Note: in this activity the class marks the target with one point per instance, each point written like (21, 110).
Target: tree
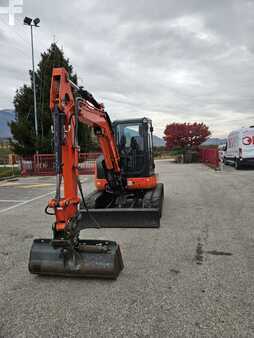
(183, 135)
(24, 140)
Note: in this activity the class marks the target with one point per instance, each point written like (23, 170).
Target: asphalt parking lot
(193, 277)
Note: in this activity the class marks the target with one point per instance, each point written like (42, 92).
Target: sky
(172, 61)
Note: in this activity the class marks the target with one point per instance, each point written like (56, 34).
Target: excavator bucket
(91, 258)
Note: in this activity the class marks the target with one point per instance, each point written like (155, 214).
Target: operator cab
(135, 145)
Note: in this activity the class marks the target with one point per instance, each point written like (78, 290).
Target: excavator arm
(70, 104)
(96, 117)
(66, 254)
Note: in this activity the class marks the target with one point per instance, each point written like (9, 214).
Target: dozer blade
(96, 212)
(92, 258)
(120, 218)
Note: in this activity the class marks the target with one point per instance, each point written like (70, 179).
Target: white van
(239, 149)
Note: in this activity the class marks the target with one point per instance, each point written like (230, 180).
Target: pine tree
(25, 142)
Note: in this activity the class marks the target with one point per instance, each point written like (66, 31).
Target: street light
(33, 23)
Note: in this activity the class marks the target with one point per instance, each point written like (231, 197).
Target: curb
(8, 178)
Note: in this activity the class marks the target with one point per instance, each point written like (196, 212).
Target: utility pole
(33, 23)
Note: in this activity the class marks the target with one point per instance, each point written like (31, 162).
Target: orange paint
(132, 183)
(61, 95)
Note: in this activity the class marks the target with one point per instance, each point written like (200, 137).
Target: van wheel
(237, 164)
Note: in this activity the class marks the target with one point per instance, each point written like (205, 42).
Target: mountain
(214, 142)
(158, 141)
(6, 115)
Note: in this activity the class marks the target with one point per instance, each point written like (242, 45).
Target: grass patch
(8, 172)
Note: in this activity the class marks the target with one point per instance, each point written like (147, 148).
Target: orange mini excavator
(127, 193)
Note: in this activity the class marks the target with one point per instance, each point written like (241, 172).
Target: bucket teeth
(92, 258)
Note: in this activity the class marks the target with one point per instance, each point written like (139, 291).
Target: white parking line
(12, 201)
(26, 202)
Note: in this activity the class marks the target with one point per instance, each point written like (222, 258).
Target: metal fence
(210, 156)
(44, 164)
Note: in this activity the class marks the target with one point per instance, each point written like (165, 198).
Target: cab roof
(133, 121)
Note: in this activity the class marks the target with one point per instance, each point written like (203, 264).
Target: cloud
(171, 61)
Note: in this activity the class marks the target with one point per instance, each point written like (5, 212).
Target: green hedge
(176, 152)
(8, 172)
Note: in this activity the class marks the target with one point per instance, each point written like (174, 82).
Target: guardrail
(44, 164)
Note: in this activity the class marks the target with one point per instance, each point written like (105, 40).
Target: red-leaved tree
(183, 135)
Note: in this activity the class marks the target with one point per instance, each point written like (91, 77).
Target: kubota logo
(247, 140)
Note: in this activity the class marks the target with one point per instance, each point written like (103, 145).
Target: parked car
(239, 149)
